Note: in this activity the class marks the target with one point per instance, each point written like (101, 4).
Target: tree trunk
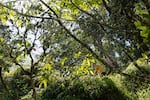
(33, 88)
(2, 80)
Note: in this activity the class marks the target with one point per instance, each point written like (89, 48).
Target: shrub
(84, 88)
(138, 87)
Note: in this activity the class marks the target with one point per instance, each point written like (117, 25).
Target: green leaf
(67, 15)
(48, 66)
(18, 23)
(144, 56)
(145, 31)
(91, 72)
(4, 19)
(142, 28)
(77, 55)
(63, 61)
(43, 82)
(18, 58)
(1, 56)
(28, 44)
(137, 24)
(88, 62)
(11, 14)
(1, 39)
(139, 9)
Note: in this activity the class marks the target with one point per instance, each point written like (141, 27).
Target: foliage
(29, 95)
(84, 88)
(144, 93)
(55, 42)
(137, 85)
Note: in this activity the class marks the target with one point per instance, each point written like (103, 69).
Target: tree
(50, 34)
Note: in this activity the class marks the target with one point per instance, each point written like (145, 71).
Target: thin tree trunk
(33, 88)
(2, 80)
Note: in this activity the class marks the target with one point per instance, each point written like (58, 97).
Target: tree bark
(2, 80)
(33, 88)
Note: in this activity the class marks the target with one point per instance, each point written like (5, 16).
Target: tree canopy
(43, 42)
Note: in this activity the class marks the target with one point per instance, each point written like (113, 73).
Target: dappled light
(74, 50)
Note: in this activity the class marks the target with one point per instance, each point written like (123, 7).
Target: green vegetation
(91, 88)
(74, 50)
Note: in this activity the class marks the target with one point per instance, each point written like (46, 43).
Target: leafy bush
(19, 85)
(143, 94)
(139, 87)
(83, 88)
(29, 95)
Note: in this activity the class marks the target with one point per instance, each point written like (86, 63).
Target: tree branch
(25, 15)
(134, 62)
(16, 63)
(32, 16)
(136, 77)
(76, 39)
(106, 6)
(91, 15)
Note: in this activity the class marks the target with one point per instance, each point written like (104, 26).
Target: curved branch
(49, 8)
(136, 77)
(75, 38)
(25, 15)
(106, 6)
(91, 15)
(16, 63)
(32, 16)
